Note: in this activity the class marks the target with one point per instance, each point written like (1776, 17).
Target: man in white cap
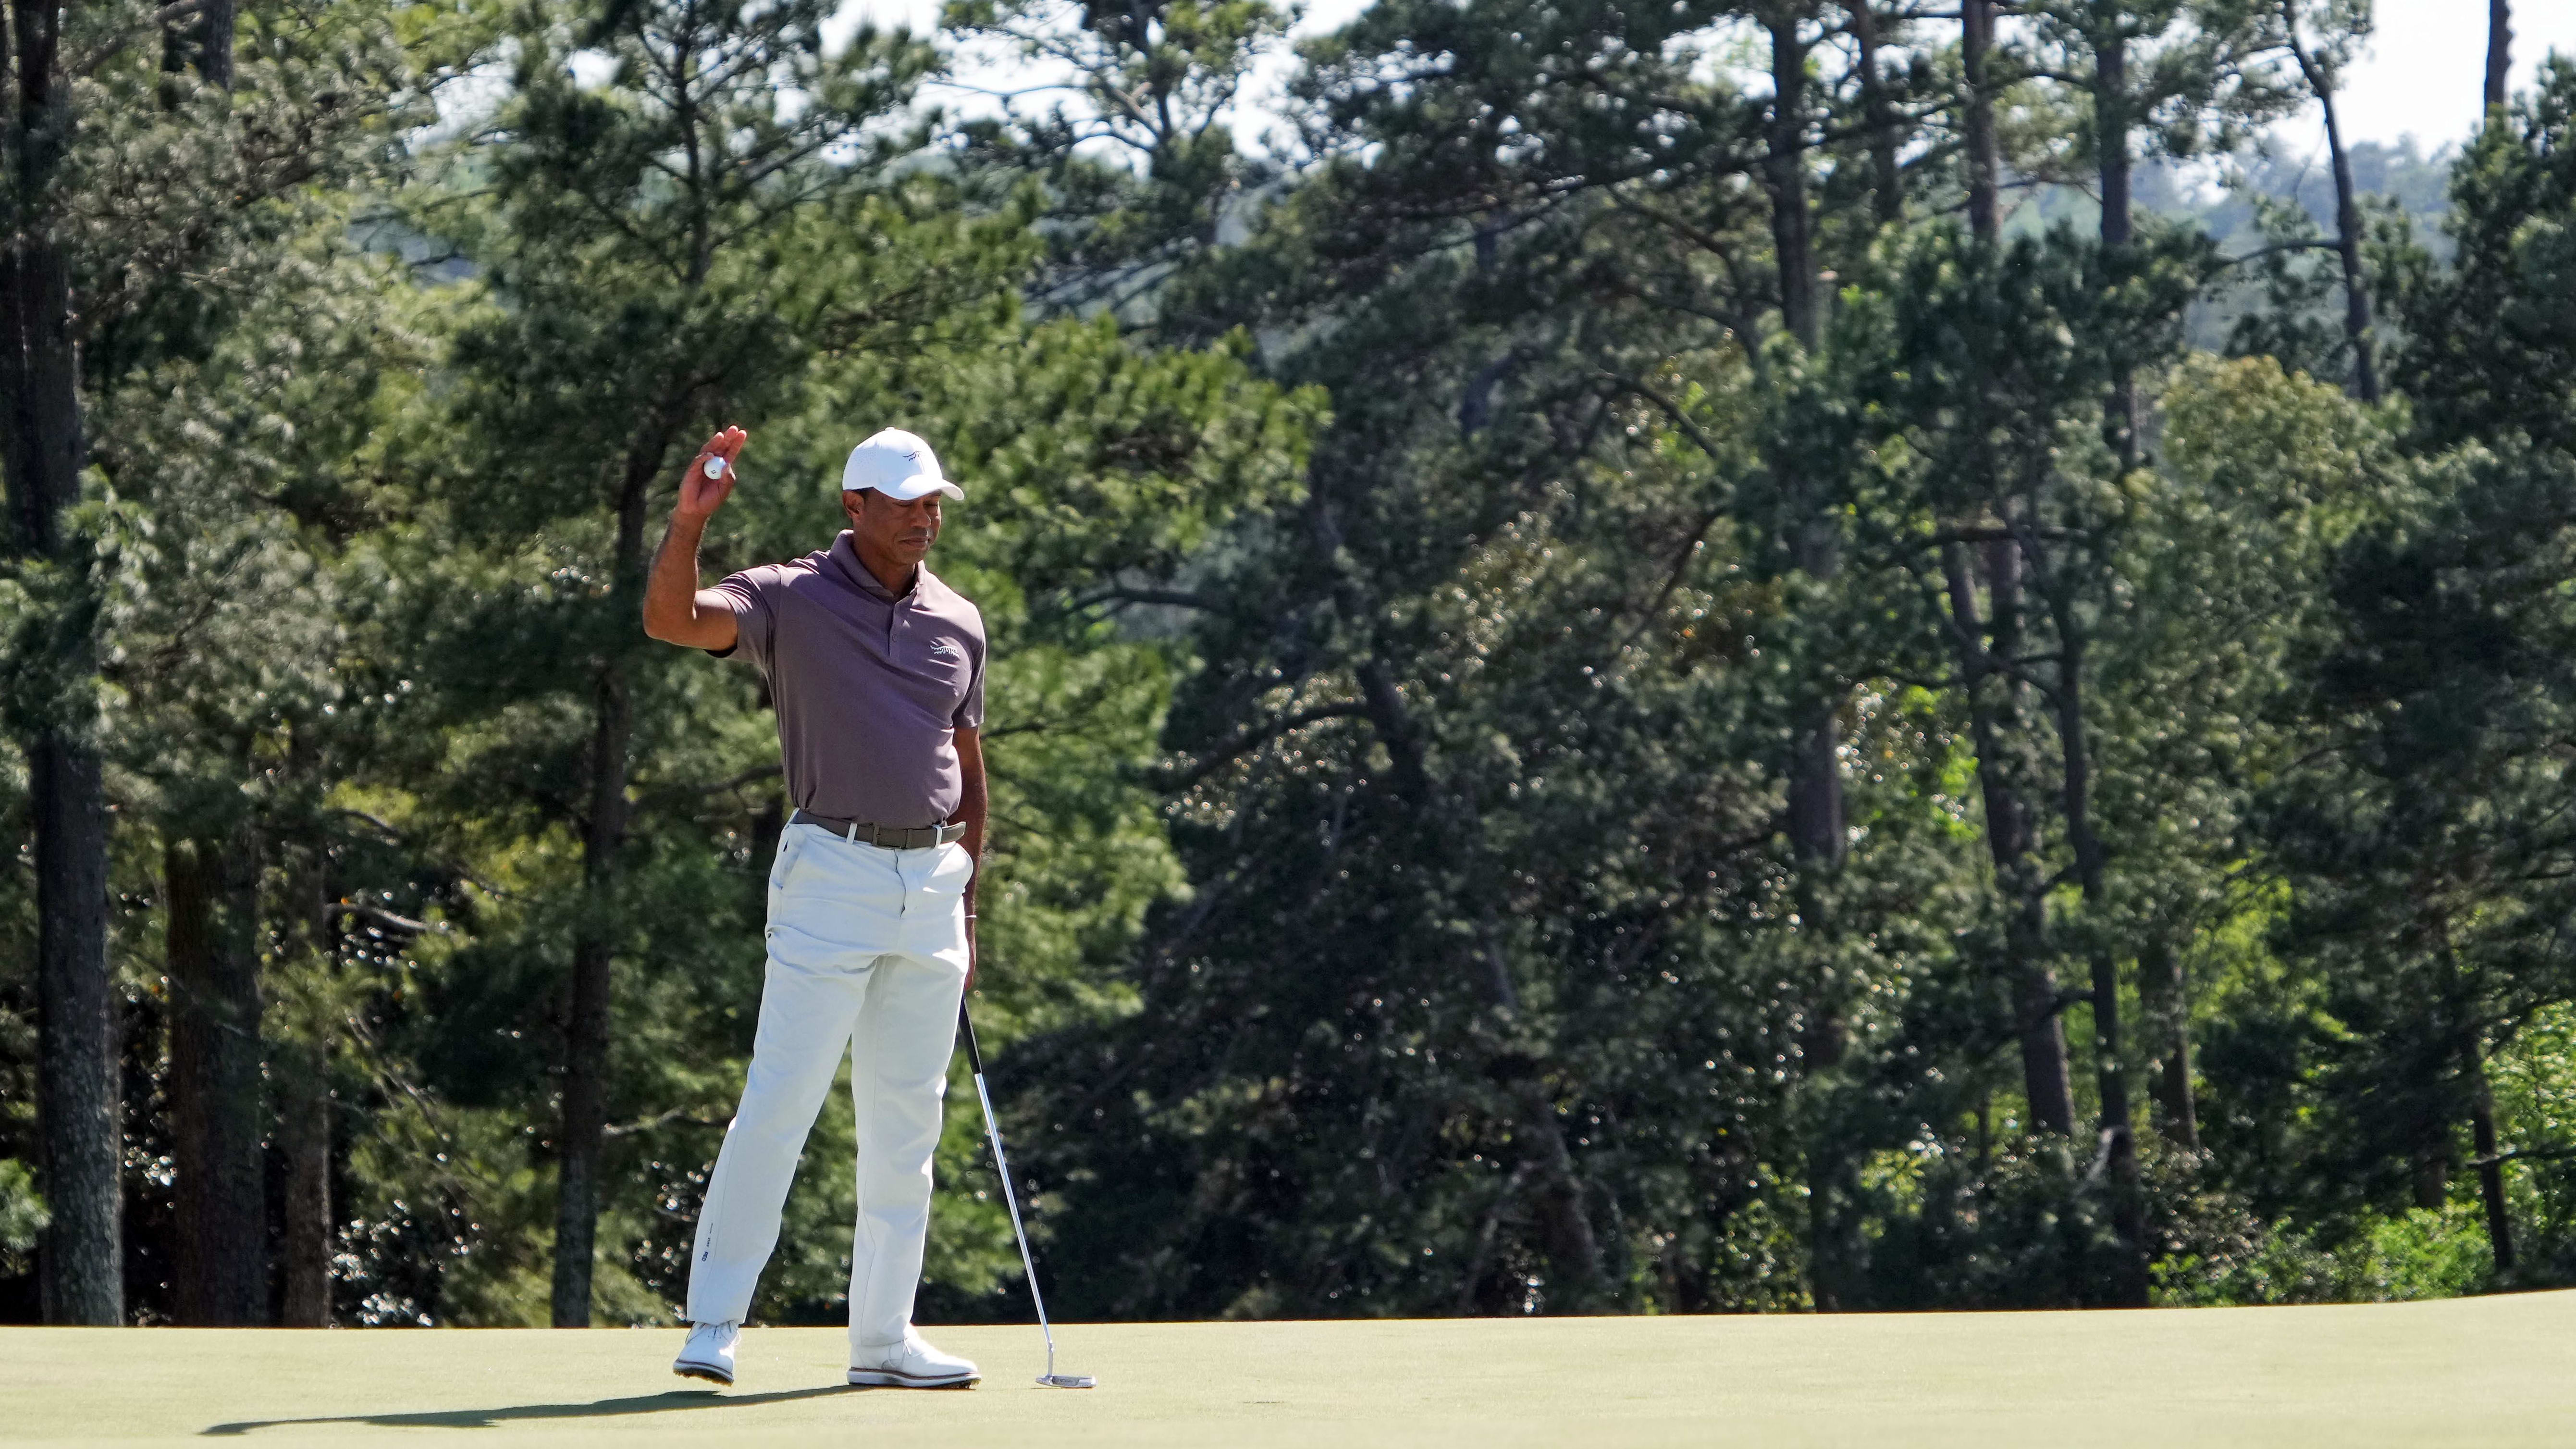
(877, 672)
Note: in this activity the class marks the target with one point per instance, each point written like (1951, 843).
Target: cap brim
(920, 485)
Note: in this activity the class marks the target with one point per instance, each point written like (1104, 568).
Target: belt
(884, 837)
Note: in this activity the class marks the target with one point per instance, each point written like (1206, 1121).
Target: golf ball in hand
(715, 467)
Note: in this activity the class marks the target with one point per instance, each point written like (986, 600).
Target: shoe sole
(708, 1372)
(898, 1379)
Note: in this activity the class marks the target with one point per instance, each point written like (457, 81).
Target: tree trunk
(220, 1259)
(83, 1264)
(1565, 1225)
(1815, 773)
(2110, 1062)
(202, 42)
(1815, 779)
(41, 456)
(1784, 169)
(1994, 717)
(2356, 291)
(2111, 136)
(1887, 195)
(1815, 804)
(2168, 1007)
(2046, 1078)
(2111, 133)
(2432, 1169)
(1379, 694)
(1976, 54)
(304, 1112)
(1565, 1228)
(306, 1226)
(215, 42)
(2110, 1070)
(2482, 1139)
(2499, 50)
(586, 1023)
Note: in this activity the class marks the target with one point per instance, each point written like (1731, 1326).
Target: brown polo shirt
(870, 688)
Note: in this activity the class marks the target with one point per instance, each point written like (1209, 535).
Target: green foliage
(22, 1215)
(1136, 156)
(2488, 349)
(1419, 570)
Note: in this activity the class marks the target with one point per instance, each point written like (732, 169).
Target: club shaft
(1011, 1200)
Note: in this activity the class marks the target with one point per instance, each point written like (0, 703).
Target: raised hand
(700, 495)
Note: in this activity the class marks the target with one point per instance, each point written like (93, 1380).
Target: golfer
(877, 672)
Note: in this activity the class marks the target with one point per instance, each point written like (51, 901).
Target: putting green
(2488, 1372)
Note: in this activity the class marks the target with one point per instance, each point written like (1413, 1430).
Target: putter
(1002, 1165)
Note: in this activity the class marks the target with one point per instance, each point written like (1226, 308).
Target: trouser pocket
(791, 844)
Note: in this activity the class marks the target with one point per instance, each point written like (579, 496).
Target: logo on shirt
(945, 650)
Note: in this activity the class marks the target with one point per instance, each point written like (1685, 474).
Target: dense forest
(1784, 655)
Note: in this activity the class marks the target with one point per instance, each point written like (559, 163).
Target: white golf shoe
(709, 1353)
(911, 1364)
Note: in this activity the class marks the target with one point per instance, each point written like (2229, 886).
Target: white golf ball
(715, 467)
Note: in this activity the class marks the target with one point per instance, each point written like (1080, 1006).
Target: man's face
(892, 527)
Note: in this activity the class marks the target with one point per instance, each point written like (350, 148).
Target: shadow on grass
(665, 1403)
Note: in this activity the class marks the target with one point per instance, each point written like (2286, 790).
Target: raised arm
(676, 610)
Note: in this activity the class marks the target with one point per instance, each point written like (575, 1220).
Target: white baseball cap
(897, 464)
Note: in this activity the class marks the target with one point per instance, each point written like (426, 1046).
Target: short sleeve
(970, 710)
(755, 622)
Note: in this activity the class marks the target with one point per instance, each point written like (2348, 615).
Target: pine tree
(2320, 68)
(42, 447)
(1136, 150)
(2430, 881)
(141, 176)
(658, 244)
(679, 245)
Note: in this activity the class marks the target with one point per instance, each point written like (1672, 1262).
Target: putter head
(1067, 1381)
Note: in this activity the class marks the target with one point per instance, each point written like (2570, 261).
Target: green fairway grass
(2489, 1372)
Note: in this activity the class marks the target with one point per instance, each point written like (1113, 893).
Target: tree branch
(1246, 743)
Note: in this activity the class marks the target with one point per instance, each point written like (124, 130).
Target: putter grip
(966, 1027)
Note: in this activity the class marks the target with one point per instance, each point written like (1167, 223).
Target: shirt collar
(845, 556)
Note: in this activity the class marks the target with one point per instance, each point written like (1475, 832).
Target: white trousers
(867, 955)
